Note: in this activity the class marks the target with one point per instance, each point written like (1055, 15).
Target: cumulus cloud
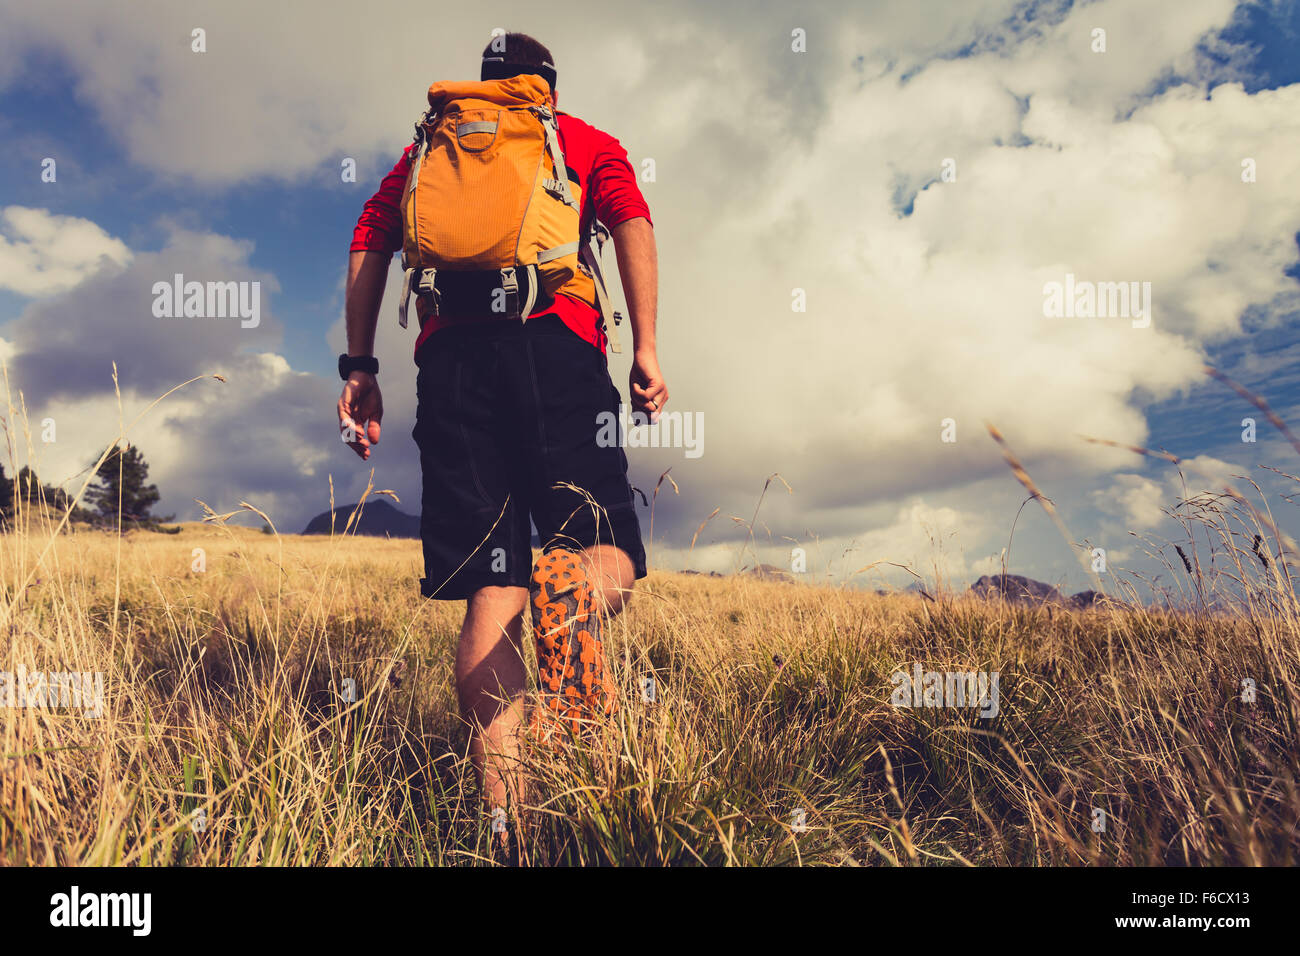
(352, 84)
(42, 254)
(67, 342)
(938, 313)
(1133, 503)
(1138, 501)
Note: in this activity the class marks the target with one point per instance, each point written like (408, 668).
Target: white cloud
(1138, 501)
(939, 314)
(310, 84)
(42, 254)
(1205, 474)
(67, 343)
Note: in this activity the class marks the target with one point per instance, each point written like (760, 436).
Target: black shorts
(508, 417)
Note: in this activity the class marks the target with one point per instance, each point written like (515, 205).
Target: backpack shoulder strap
(560, 185)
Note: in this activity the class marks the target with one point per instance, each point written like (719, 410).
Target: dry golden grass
(223, 697)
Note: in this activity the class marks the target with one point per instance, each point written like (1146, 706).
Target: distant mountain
(378, 518)
(1016, 588)
(1022, 590)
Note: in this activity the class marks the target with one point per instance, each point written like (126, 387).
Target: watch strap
(357, 363)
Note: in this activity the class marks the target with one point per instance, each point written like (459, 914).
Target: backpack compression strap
(591, 259)
(425, 279)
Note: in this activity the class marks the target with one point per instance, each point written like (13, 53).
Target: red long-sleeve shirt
(609, 193)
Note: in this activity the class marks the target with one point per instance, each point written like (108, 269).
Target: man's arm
(638, 269)
(378, 234)
(367, 273)
(361, 406)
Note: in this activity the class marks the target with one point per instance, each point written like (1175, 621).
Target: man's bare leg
(612, 576)
(490, 667)
(490, 682)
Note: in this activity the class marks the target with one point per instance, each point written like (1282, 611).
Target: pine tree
(123, 478)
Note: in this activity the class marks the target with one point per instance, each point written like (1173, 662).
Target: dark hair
(511, 54)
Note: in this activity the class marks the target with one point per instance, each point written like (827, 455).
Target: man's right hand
(646, 383)
(361, 407)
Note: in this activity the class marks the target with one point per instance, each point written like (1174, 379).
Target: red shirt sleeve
(379, 229)
(612, 185)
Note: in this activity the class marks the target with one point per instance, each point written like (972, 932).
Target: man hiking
(494, 206)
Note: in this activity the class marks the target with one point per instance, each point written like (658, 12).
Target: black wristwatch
(357, 363)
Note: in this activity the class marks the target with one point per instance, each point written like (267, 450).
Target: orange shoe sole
(574, 682)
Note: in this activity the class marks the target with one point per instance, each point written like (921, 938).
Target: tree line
(123, 478)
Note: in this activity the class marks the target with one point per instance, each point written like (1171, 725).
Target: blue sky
(777, 170)
(301, 229)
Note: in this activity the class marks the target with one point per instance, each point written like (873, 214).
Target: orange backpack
(490, 217)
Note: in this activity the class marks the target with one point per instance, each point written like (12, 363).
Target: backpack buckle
(427, 287)
(510, 286)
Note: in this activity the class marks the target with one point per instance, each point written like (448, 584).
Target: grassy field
(226, 738)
